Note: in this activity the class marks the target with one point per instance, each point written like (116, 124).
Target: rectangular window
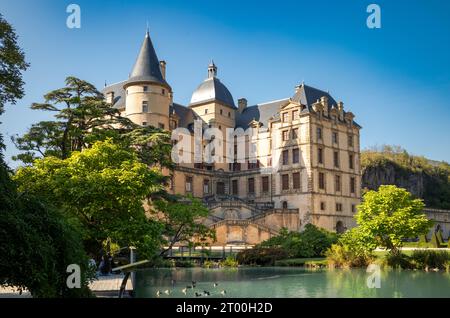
(251, 185)
(353, 208)
(285, 157)
(145, 88)
(335, 138)
(352, 185)
(285, 135)
(205, 186)
(265, 184)
(206, 110)
(295, 155)
(296, 180)
(220, 188)
(350, 140)
(160, 125)
(321, 180)
(322, 206)
(234, 187)
(229, 114)
(285, 117)
(319, 134)
(221, 112)
(336, 159)
(294, 114)
(320, 155)
(337, 183)
(163, 91)
(295, 133)
(144, 123)
(145, 107)
(350, 161)
(338, 207)
(285, 182)
(188, 184)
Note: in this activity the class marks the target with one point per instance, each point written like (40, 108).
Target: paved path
(10, 292)
(109, 283)
(104, 286)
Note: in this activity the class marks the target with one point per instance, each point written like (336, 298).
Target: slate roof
(119, 94)
(259, 112)
(146, 67)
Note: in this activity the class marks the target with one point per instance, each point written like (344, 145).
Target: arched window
(340, 228)
(285, 205)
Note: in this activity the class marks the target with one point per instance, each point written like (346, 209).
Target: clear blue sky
(396, 79)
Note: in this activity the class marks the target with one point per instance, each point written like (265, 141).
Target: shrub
(229, 262)
(208, 264)
(183, 263)
(352, 250)
(339, 255)
(311, 242)
(261, 256)
(398, 261)
(423, 259)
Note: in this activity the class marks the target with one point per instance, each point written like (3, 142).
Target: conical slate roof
(147, 66)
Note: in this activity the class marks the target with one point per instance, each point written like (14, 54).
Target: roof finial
(147, 30)
(105, 83)
(212, 69)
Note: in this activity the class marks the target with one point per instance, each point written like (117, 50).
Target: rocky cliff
(424, 178)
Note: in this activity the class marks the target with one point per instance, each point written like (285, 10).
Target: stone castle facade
(304, 166)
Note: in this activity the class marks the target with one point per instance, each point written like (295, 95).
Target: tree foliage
(81, 118)
(181, 220)
(12, 64)
(311, 242)
(102, 190)
(37, 245)
(390, 215)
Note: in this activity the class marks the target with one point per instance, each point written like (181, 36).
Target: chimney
(110, 97)
(162, 66)
(324, 102)
(242, 103)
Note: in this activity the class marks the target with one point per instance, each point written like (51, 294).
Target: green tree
(181, 220)
(102, 191)
(388, 216)
(312, 241)
(12, 64)
(81, 117)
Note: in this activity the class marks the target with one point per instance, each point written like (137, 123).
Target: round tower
(148, 95)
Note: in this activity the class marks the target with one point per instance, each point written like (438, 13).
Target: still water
(267, 282)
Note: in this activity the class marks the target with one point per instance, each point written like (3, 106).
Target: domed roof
(212, 90)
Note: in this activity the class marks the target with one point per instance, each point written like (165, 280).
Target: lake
(265, 282)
